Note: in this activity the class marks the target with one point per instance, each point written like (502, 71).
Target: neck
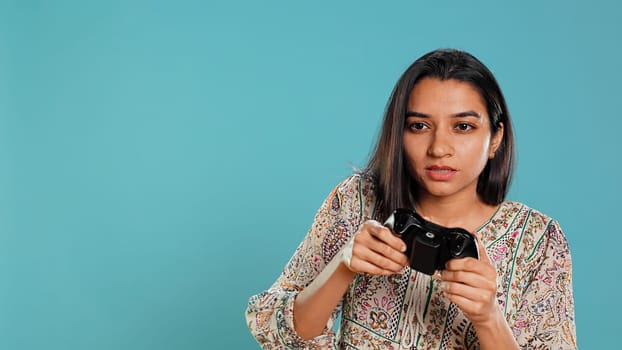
(468, 212)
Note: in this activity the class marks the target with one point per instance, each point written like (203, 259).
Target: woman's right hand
(375, 250)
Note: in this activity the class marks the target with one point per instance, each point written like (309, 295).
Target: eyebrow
(457, 115)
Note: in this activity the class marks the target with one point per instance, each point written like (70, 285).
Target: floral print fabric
(534, 286)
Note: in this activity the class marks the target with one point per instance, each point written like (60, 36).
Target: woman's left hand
(471, 284)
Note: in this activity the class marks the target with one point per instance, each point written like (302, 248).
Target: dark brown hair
(395, 186)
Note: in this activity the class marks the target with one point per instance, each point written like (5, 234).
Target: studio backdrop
(161, 160)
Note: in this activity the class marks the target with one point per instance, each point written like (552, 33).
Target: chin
(438, 194)
(440, 191)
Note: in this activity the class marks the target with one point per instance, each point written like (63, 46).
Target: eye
(464, 127)
(417, 126)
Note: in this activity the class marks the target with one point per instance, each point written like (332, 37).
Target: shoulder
(355, 186)
(535, 231)
(520, 216)
(356, 194)
(357, 182)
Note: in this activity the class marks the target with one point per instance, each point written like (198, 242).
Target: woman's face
(447, 138)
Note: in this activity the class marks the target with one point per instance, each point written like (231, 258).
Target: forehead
(435, 96)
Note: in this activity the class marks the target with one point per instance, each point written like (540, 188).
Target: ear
(496, 140)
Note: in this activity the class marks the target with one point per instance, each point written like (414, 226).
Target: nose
(440, 145)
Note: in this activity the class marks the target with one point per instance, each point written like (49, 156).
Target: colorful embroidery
(534, 284)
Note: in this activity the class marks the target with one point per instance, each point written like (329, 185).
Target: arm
(309, 291)
(545, 316)
(373, 249)
(472, 285)
(269, 314)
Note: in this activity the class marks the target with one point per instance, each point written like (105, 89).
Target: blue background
(160, 161)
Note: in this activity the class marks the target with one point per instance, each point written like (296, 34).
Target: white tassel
(414, 325)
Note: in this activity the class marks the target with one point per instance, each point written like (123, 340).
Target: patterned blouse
(408, 310)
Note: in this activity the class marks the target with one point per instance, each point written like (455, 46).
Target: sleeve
(269, 314)
(545, 317)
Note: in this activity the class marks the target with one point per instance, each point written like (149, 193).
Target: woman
(446, 151)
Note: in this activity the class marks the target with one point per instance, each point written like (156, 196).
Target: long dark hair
(395, 186)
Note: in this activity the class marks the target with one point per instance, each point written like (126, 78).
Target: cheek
(413, 154)
(477, 145)
(412, 159)
(476, 150)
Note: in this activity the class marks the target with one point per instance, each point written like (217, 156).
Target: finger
(385, 235)
(468, 278)
(469, 263)
(360, 265)
(467, 306)
(386, 251)
(370, 255)
(473, 272)
(370, 237)
(466, 264)
(483, 254)
(346, 253)
(473, 294)
(437, 275)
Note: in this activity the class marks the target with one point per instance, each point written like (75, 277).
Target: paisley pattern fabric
(534, 285)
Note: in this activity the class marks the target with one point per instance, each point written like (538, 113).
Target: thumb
(483, 255)
(346, 253)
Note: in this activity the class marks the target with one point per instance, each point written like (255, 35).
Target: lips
(440, 172)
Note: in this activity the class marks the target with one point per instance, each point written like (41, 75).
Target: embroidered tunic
(534, 286)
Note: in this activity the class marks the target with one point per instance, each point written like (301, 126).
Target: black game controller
(428, 245)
